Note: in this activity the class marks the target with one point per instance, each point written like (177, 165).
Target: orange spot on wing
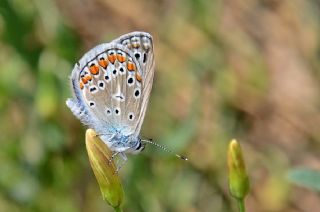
(112, 58)
(88, 77)
(138, 77)
(94, 69)
(131, 66)
(81, 85)
(103, 63)
(121, 58)
(84, 80)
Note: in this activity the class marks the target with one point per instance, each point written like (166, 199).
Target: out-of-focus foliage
(224, 69)
(305, 177)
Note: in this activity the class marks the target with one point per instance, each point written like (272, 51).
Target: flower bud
(104, 169)
(238, 178)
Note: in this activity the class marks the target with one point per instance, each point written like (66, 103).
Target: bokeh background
(224, 69)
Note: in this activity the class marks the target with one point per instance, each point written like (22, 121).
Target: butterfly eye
(140, 147)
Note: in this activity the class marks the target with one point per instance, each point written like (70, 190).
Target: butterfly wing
(141, 45)
(112, 86)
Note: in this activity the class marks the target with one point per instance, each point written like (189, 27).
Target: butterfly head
(138, 148)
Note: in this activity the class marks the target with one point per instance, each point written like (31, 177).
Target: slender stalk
(241, 205)
(118, 209)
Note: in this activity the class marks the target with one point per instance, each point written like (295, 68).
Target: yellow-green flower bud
(238, 178)
(104, 169)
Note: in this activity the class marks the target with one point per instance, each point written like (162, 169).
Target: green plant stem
(118, 209)
(241, 205)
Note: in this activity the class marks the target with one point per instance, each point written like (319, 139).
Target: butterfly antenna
(150, 141)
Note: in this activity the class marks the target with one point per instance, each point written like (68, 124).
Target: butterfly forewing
(141, 45)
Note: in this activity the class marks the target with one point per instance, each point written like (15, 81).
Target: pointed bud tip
(234, 142)
(234, 145)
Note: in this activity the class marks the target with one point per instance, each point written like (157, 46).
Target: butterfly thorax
(119, 142)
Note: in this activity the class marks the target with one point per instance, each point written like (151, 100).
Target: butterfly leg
(120, 164)
(113, 156)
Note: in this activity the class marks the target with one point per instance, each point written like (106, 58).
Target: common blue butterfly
(111, 85)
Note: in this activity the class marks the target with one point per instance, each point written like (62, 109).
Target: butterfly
(111, 84)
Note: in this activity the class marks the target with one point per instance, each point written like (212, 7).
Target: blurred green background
(224, 69)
